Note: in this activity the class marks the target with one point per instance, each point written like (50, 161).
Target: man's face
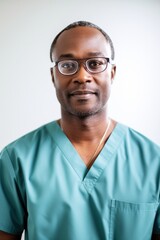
(82, 94)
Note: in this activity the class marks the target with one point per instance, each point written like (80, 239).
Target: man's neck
(88, 135)
(84, 129)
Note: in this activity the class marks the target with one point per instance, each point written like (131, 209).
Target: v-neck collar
(88, 176)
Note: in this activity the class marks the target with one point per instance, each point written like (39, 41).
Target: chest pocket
(130, 221)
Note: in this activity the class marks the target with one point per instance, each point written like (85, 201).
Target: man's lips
(82, 92)
(82, 95)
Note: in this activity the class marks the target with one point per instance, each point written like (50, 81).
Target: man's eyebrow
(90, 54)
(95, 54)
(67, 55)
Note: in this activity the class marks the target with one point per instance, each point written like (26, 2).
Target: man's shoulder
(32, 138)
(136, 138)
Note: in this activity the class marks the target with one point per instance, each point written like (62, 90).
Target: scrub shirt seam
(69, 162)
(111, 223)
(91, 184)
(96, 178)
(13, 170)
(64, 155)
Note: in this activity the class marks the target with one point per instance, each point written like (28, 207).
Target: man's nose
(82, 75)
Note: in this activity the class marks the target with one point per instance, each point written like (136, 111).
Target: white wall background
(27, 98)
(27, 27)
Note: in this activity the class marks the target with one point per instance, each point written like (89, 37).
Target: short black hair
(83, 24)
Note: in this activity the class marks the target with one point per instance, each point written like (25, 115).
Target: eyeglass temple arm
(111, 61)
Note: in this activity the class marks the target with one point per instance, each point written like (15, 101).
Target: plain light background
(27, 96)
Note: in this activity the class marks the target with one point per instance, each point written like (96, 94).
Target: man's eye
(95, 64)
(68, 65)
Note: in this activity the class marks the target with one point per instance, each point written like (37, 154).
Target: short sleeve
(12, 213)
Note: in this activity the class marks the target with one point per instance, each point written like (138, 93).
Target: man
(85, 176)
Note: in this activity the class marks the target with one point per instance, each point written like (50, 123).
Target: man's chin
(85, 114)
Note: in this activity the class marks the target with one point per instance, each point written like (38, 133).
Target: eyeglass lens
(93, 65)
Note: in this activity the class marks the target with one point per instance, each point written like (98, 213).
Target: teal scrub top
(46, 189)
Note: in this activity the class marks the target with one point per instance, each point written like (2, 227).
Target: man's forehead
(83, 39)
(82, 32)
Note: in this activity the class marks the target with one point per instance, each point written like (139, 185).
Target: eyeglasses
(92, 65)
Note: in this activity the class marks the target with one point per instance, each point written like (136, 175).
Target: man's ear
(113, 73)
(52, 75)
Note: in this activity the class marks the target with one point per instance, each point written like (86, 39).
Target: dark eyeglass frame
(84, 61)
